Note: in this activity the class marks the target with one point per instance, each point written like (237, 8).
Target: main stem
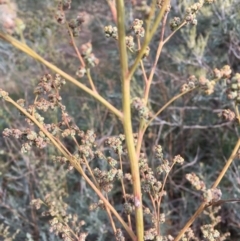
(127, 123)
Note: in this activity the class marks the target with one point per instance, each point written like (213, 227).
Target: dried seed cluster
(233, 91)
(207, 86)
(66, 225)
(190, 15)
(141, 108)
(160, 4)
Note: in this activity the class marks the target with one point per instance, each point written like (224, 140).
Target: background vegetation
(190, 126)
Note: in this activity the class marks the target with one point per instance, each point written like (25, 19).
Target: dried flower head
(129, 42)
(227, 115)
(137, 27)
(160, 4)
(209, 232)
(66, 4)
(119, 235)
(75, 25)
(3, 94)
(175, 23)
(60, 16)
(233, 91)
(139, 105)
(212, 195)
(111, 31)
(116, 143)
(178, 159)
(195, 181)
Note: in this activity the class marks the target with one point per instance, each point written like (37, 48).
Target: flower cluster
(233, 91)
(128, 206)
(165, 166)
(66, 4)
(112, 162)
(98, 205)
(129, 42)
(5, 233)
(89, 57)
(105, 179)
(178, 159)
(207, 86)
(81, 71)
(116, 143)
(29, 138)
(143, 111)
(86, 148)
(48, 98)
(111, 31)
(138, 28)
(119, 235)
(149, 182)
(227, 115)
(60, 15)
(224, 72)
(175, 23)
(158, 152)
(212, 195)
(190, 16)
(86, 51)
(209, 195)
(160, 4)
(209, 233)
(195, 181)
(151, 234)
(60, 221)
(189, 235)
(75, 25)
(3, 94)
(62, 160)
(49, 86)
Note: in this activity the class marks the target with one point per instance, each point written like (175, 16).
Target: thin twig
(142, 65)
(124, 191)
(75, 47)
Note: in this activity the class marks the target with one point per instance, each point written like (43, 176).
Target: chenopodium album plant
(145, 181)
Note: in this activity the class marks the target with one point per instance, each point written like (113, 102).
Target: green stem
(127, 123)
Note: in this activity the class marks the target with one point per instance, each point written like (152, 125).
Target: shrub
(136, 183)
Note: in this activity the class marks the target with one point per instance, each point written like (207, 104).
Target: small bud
(60, 17)
(227, 115)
